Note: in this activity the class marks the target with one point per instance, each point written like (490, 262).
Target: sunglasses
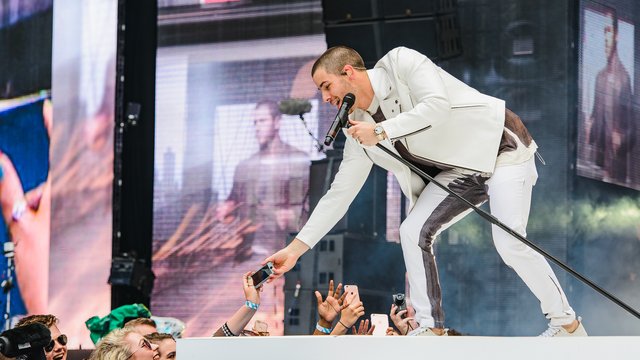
(145, 344)
(62, 340)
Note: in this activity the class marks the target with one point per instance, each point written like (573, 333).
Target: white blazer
(435, 115)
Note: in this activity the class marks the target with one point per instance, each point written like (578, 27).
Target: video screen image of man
(269, 187)
(609, 126)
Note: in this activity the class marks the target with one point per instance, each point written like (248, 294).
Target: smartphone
(352, 293)
(261, 275)
(381, 321)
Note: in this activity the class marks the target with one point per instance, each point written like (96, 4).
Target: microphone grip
(340, 119)
(329, 139)
(333, 131)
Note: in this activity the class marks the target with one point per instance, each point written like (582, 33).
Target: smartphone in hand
(352, 294)
(261, 275)
(381, 321)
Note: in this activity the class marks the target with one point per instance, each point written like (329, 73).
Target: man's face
(610, 36)
(167, 349)
(59, 351)
(333, 87)
(266, 126)
(141, 348)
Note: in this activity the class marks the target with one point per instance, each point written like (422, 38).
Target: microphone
(294, 106)
(24, 340)
(341, 118)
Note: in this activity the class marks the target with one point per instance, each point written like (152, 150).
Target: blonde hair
(334, 59)
(140, 321)
(113, 346)
(157, 338)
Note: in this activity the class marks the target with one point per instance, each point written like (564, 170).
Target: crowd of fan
(139, 339)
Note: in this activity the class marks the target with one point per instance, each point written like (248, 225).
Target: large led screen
(83, 99)
(232, 173)
(608, 148)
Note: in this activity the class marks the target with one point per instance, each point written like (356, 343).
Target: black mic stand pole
(318, 145)
(492, 219)
(321, 149)
(7, 283)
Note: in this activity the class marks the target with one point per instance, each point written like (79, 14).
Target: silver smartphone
(352, 293)
(381, 321)
(261, 275)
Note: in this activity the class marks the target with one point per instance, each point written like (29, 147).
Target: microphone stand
(321, 149)
(492, 219)
(318, 144)
(7, 284)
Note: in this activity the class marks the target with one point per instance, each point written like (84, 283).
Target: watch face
(378, 130)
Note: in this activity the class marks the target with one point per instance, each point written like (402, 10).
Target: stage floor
(403, 347)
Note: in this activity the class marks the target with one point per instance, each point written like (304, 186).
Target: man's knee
(425, 233)
(427, 236)
(406, 231)
(511, 248)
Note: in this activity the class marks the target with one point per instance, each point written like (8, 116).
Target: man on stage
(482, 152)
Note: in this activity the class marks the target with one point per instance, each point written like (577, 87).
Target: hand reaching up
(332, 305)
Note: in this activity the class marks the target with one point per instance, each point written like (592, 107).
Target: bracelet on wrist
(227, 331)
(251, 305)
(323, 329)
(343, 325)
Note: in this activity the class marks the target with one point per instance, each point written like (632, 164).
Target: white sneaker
(426, 331)
(560, 331)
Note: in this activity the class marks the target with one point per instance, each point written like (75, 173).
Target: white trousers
(509, 195)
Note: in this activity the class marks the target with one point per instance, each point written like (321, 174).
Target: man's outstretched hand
(285, 259)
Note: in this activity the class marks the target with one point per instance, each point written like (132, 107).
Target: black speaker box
(420, 34)
(367, 214)
(336, 11)
(405, 8)
(374, 27)
(349, 10)
(364, 37)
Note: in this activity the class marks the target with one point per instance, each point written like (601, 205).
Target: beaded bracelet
(323, 329)
(227, 331)
(251, 305)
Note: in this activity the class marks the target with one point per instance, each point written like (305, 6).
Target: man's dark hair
(614, 17)
(46, 320)
(334, 59)
(274, 110)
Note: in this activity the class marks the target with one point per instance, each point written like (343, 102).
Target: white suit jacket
(436, 116)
